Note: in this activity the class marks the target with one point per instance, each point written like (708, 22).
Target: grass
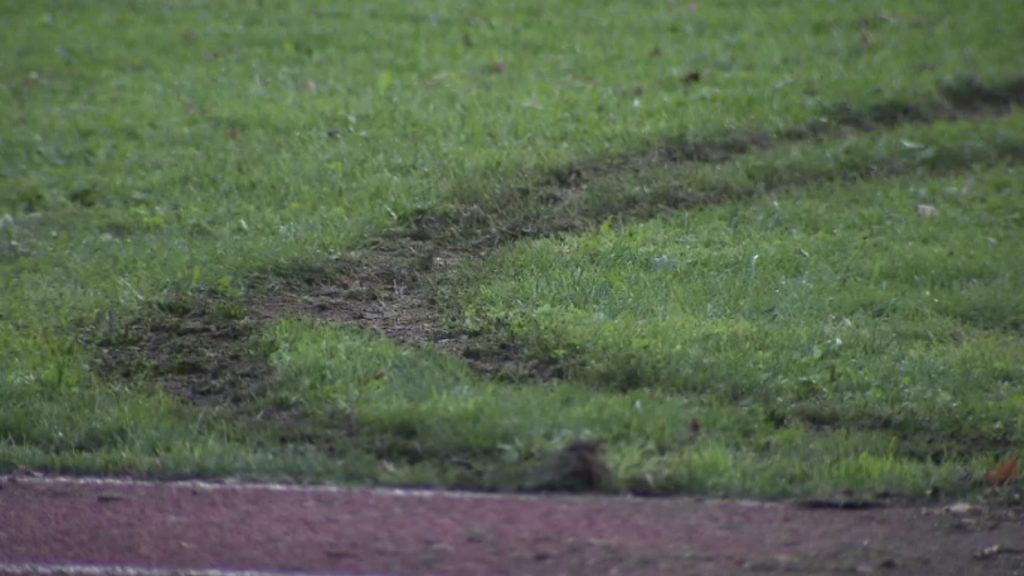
(156, 154)
(835, 318)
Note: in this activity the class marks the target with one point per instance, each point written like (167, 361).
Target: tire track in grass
(202, 347)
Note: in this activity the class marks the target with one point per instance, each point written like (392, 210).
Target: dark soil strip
(201, 348)
(958, 100)
(182, 526)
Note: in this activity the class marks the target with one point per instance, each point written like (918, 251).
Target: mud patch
(384, 288)
(204, 351)
(391, 289)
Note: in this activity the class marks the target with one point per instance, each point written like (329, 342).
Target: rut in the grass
(203, 349)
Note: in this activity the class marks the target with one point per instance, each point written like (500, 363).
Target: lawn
(757, 249)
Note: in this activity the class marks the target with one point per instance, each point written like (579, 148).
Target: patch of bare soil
(390, 289)
(202, 349)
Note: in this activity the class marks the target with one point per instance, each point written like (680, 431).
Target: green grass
(152, 151)
(834, 325)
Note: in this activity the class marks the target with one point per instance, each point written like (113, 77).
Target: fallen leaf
(927, 210)
(692, 77)
(1004, 473)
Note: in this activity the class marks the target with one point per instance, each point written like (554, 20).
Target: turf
(161, 163)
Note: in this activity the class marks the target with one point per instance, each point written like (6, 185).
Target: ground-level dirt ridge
(202, 347)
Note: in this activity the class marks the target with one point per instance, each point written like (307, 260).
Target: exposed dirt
(390, 288)
(202, 348)
(961, 99)
(187, 526)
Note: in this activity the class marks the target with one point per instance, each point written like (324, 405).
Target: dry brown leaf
(1005, 472)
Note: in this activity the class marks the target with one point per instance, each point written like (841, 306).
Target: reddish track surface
(48, 523)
